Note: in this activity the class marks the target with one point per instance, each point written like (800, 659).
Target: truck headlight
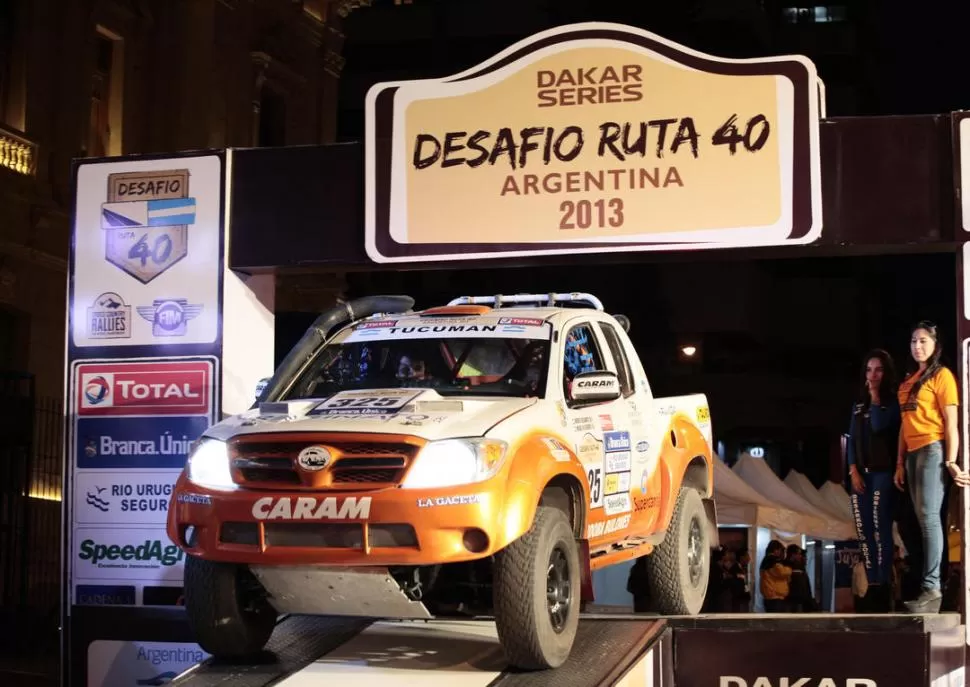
(208, 465)
(452, 462)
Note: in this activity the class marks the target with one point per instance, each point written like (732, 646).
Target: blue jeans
(874, 525)
(926, 476)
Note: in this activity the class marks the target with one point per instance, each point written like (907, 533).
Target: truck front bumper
(384, 527)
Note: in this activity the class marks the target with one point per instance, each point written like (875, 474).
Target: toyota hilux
(480, 458)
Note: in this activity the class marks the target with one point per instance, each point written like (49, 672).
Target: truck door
(600, 435)
(635, 414)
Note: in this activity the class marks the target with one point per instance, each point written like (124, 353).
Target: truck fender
(538, 462)
(686, 460)
(545, 467)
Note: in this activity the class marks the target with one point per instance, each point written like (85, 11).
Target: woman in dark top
(873, 438)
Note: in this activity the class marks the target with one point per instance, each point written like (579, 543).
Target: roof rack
(498, 301)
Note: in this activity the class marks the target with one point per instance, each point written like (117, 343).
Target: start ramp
(316, 651)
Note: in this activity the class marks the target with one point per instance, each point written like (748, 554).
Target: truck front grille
(263, 462)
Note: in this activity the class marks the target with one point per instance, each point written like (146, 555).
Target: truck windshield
(499, 357)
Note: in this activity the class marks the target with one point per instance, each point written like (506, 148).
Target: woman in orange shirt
(929, 439)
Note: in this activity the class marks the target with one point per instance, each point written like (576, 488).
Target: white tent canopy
(836, 495)
(801, 485)
(729, 485)
(739, 504)
(813, 521)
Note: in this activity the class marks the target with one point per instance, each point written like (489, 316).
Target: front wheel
(678, 569)
(536, 593)
(228, 617)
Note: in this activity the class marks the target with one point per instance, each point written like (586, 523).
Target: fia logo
(169, 316)
(109, 317)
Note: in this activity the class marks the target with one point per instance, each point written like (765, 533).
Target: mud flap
(318, 590)
(586, 576)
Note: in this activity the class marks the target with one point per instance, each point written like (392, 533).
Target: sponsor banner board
(847, 554)
(110, 555)
(136, 442)
(147, 252)
(113, 663)
(105, 595)
(144, 388)
(107, 498)
(132, 426)
(144, 350)
(772, 658)
(595, 137)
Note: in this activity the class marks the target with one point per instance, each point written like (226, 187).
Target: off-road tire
(519, 589)
(668, 573)
(227, 620)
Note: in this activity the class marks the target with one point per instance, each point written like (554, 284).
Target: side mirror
(261, 386)
(595, 387)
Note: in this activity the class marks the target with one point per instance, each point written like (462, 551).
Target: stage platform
(827, 650)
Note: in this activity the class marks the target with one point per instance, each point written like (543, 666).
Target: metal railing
(17, 152)
(31, 457)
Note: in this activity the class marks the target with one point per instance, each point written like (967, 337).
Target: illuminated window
(819, 14)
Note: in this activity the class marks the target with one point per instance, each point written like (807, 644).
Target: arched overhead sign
(593, 137)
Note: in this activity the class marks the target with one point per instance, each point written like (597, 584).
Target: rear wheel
(536, 593)
(678, 569)
(228, 617)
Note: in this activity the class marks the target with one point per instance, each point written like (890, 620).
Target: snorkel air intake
(318, 332)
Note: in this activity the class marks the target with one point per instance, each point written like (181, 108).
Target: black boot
(881, 598)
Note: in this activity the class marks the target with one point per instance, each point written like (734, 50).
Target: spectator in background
(739, 574)
(872, 443)
(775, 578)
(718, 597)
(800, 597)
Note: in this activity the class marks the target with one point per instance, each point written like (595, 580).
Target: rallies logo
(156, 388)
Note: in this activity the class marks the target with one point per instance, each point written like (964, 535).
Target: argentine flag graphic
(170, 212)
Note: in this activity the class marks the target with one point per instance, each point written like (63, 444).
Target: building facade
(92, 78)
(113, 77)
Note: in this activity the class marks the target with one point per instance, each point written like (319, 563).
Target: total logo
(97, 389)
(156, 388)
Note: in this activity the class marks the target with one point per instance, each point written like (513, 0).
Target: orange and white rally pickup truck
(479, 458)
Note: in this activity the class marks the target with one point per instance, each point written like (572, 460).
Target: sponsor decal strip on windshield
(489, 329)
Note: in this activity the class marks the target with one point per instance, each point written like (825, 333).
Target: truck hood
(429, 416)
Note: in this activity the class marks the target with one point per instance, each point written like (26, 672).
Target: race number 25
(584, 214)
(594, 475)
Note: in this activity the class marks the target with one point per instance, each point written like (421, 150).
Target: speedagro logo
(153, 553)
